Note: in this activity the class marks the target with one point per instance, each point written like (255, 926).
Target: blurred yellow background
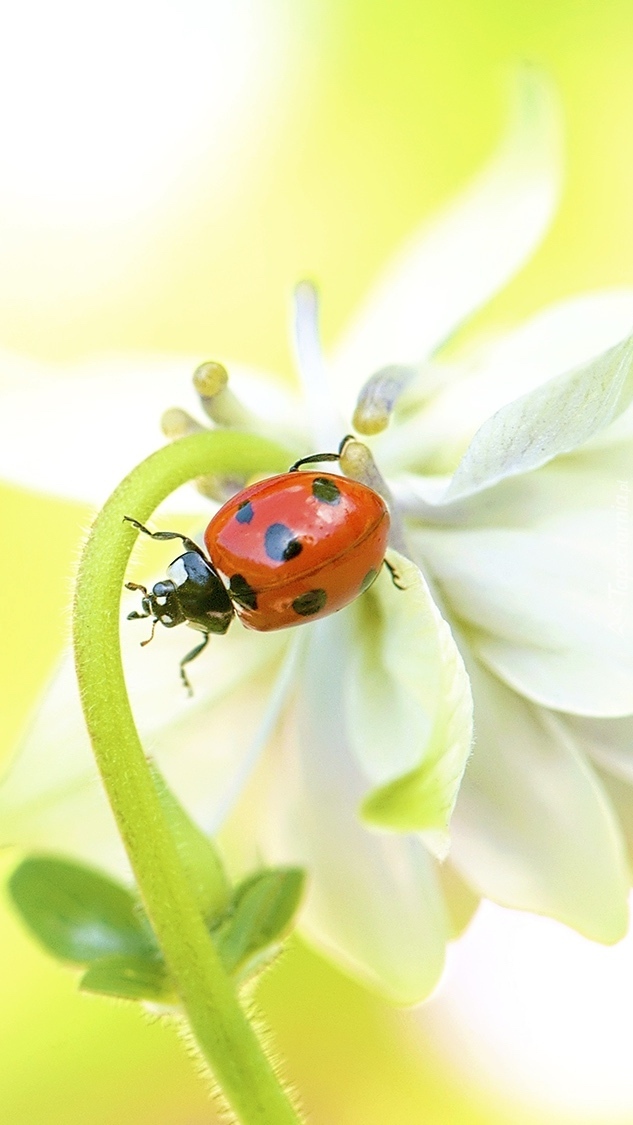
(167, 173)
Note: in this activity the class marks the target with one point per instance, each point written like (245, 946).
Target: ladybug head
(192, 593)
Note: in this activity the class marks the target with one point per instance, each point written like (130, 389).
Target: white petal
(471, 249)
(620, 794)
(326, 425)
(619, 433)
(598, 476)
(532, 828)
(609, 742)
(77, 433)
(52, 797)
(433, 436)
(547, 604)
(553, 419)
(540, 1016)
(462, 902)
(559, 338)
(374, 903)
(409, 706)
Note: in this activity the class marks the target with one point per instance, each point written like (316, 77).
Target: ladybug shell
(297, 547)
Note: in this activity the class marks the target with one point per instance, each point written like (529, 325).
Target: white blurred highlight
(530, 1009)
(101, 107)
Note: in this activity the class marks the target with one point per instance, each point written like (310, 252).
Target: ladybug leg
(188, 544)
(188, 658)
(135, 616)
(151, 636)
(314, 459)
(395, 577)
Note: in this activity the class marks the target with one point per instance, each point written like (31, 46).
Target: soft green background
(383, 110)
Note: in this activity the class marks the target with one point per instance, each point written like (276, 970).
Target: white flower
(518, 512)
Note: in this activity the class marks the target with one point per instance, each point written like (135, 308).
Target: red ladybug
(289, 549)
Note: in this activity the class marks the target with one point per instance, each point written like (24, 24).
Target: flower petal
(454, 265)
(543, 603)
(598, 476)
(374, 903)
(447, 403)
(409, 707)
(532, 828)
(52, 797)
(78, 433)
(553, 419)
(608, 742)
(326, 424)
(620, 794)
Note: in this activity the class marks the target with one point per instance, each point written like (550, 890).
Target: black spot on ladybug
(244, 512)
(281, 545)
(310, 603)
(370, 577)
(242, 592)
(325, 489)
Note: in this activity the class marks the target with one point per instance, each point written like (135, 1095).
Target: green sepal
(79, 914)
(197, 852)
(130, 978)
(260, 913)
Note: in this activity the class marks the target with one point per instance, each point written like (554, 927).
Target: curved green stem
(223, 1033)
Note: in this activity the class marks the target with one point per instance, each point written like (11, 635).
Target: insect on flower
(289, 549)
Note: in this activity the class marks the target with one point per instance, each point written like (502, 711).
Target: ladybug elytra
(286, 550)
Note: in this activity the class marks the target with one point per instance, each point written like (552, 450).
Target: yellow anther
(210, 378)
(357, 462)
(176, 423)
(370, 420)
(378, 398)
(211, 381)
(219, 489)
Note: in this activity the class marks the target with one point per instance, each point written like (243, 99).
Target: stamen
(219, 403)
(219, 489)
(379, 396)
(176, 423)
(210, 380)
(357, 462)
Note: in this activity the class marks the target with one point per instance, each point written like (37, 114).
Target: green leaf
(131, 978)
(77, 913)
(261, 911)
(197, 853)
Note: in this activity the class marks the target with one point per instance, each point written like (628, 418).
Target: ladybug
(289, 549)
